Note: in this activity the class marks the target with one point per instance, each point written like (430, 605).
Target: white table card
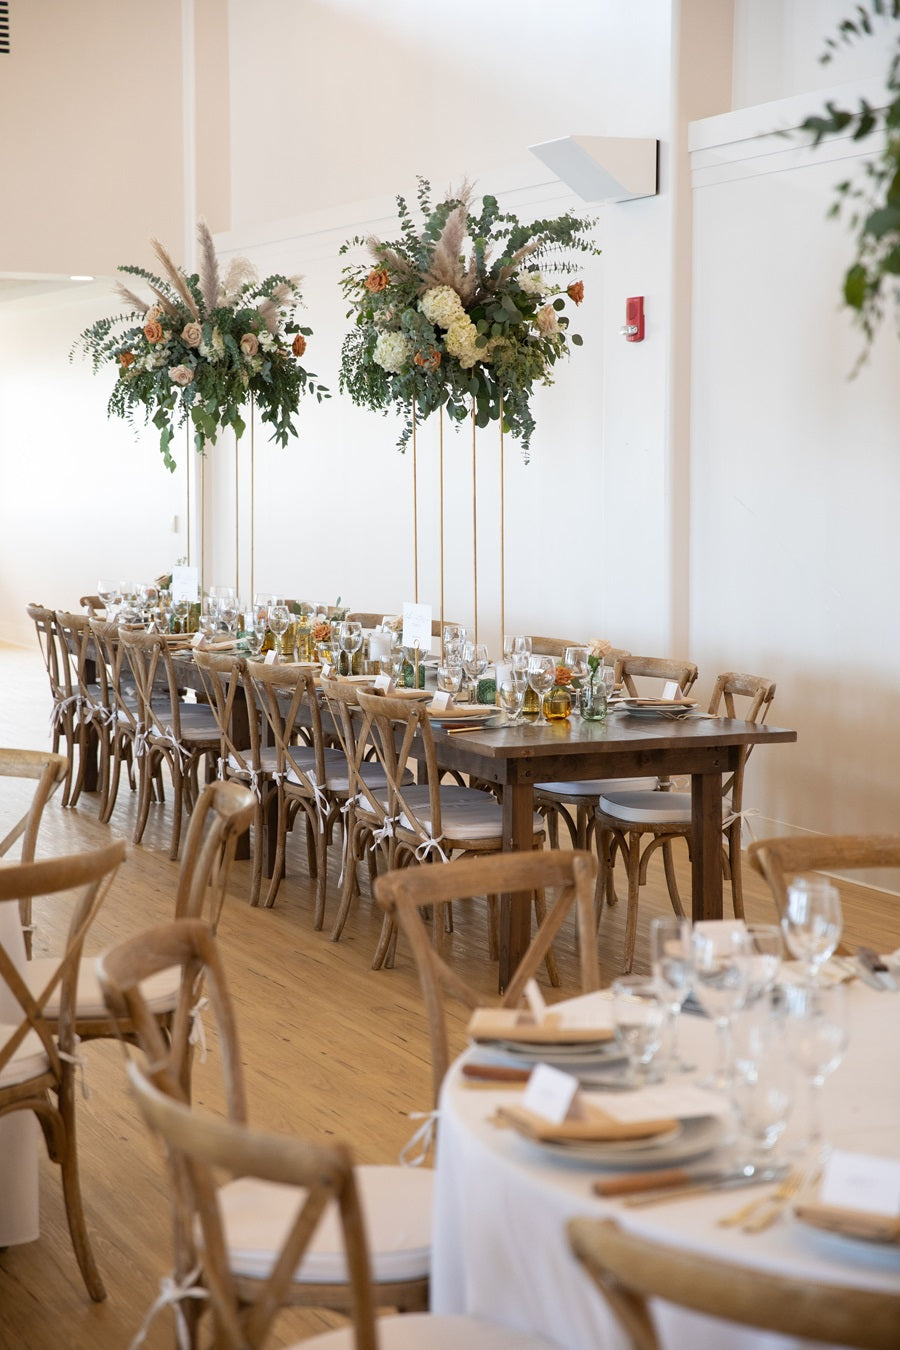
(552, 1094)
(860, 1181)
(383, 683)
(417, 626)
(185, 585)
(271, 658)
(441, 701)
(379, 646)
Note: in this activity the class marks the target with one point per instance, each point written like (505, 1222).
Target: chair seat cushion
(371, 774)
(648, 808)
(425, 1331)
(397, 1203)
(268, 760)
(466, 813)
(160, 990)
(29, 1060)
(304, 756)
(597, 787)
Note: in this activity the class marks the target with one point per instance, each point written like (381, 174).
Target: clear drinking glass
(764, 959)
(541, 674)
(521, 645)
(279, 621)
(639, 1016)
(511, 691)
(453, 639)
(816, 1036)
(812, 922)
(110, 592)
(475, 661)
(351, 640)
(229, 609)
(721, 961)
(671, 963)
(762, 1088)
(449, 677)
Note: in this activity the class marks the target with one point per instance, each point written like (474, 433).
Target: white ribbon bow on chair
(80, 1064)
(421, 1140)
(321, 799)
(170, 1295)
(58, 711)
(168, 738)
(426, 847)
(744, 817)
(385, 831)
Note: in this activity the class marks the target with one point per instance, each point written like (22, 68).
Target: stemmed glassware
(475, 661)
(110, 592)
(639, 1015)
(449, 677)
(721, 961)
(453, 640)
(541, 674)
(229, 609)
(762, 1089)
(764, 959)
(812, 922)
(279, 621)
(351, 640)
(816, 1034)
(672, 966)
(511, 690)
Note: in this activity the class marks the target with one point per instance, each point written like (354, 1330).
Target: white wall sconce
(604, 168)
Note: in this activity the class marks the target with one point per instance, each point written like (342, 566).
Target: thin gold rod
(441, 493)
(502, 531)
(415, 507)
(474, 521)
(202, 525)
(187, 484)
(252, 502)
(237, 519)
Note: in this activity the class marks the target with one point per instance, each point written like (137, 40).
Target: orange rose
(126, 359)
(431, 361)
(153, 331)
(298, 346)
(576, 291)
(563, 675)
(377, 279)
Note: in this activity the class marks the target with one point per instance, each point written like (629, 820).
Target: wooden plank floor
(331, 1049)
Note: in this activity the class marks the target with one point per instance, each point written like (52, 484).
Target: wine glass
(541, 674)
(475, 661)
(511, 691)
(812, 922)
(110, 592)
(764, 959)
(279, 620)
(721, 961)
(762, 1090)
(816, 1036)
(670, 958)
(208, 623)
(639, 1015)
(351, 640)
(229, 609)
(449, 677)
(453, 639)
(521, 645)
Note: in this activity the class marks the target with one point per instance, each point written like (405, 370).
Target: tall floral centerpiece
(205, 347)
(464, 312)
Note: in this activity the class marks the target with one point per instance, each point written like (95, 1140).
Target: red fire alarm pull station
(634, 319)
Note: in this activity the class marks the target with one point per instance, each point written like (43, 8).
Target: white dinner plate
(694, 1137)
(664, 714)
(555, 1054)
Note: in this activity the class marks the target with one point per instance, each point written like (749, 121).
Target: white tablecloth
(19, 1132)
(500, 1247)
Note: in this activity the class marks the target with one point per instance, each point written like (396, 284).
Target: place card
(417, 626)
(441, 701)
(199, 640)
(679, 1101)
(861, 1181)
(672, 689)
(383, 683)
(185, 585)
(379, 646)
(552, 1094)
(271, 658)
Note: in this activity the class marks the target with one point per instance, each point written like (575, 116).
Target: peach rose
(192, 335)
(546, 321)
(181, 375)
(249, 344)
(153, 331)
(431, 361)
(377, 279)
(576, 291)
(298, 346)
(563, 675)
(126, 359)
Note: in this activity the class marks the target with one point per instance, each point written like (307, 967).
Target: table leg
(706, 845)
(515, 910)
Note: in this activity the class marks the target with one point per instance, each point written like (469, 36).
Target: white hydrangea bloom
(218, 342)
(392, 352)
(532, 283)
(441, 305)
(460, 341)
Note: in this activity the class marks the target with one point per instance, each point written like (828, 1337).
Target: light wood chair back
(780, 860)
(46, 770)
(399, 730)
(684, 673)
(549, 646)
(76, 657)
(629, 1270)
(118, 696)
(62, 721)
(221, 814)
(48, 1087)
(96, 608)
(403, 894)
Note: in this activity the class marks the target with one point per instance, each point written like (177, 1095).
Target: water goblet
(521, 645)
(639, 1015)
(350, 632)
(721, 961)
(511, 691)
(816, 1038)
(812, 922)
(110, 592)
(762, 1088)
(229, 609)
(475, 661)
(453, 639)
(279, 620)
(541, 674)
(764, 959)
(208, 623)
(449, 677)
(257, 635)
(670, 959)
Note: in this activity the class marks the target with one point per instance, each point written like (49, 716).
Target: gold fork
(763, 1205)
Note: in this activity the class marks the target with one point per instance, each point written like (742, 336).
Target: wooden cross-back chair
(173, 733)
(780, 860)
(38, 1061)
(257, 1208)
(121, 711)
(90, 727)
(427, 821)
(629, 1269)
(557, 800)
(287, 698)
(256, 765)
(624, 819)
(222, 813)
(405, 894)
(46, 770)
(62, 712)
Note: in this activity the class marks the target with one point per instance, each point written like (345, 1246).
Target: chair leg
(540, 913)
(145, 772)
(257, 847)
(280, 850)
(633, 866)
(348, 889)
(733, 857)
(178, 786)
(671, 879)
(68, 1160)
(321, 879)
(112, 787)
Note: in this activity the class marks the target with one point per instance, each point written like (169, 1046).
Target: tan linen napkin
(512, 1024)
(850, 1222)
(594, 1125)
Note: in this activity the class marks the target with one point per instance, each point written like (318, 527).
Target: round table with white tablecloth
(19, 1132)
(501, 1206)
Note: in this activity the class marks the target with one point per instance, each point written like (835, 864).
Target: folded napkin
(856, 1223)
(593, 1126)
(512, 1024)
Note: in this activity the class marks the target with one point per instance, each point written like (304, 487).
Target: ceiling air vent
(4, 27)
